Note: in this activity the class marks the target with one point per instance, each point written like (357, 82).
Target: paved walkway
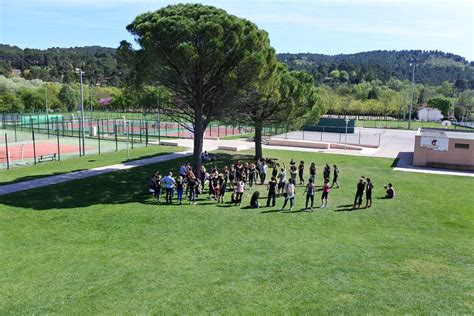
(42, 182)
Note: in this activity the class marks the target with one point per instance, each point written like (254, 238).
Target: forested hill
(432, 67)
(101, 67)
(58, 64)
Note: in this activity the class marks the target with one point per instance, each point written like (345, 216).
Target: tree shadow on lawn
(46, 174)
(119, 187)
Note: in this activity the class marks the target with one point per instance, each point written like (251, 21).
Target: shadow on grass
(119, 187)
(50, 174)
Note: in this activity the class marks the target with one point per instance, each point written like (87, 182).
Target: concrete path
(42, 182)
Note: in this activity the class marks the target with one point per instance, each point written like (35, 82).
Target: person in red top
(324, 196)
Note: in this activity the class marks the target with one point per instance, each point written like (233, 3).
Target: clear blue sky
(318, 26)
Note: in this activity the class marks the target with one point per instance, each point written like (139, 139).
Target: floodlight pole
(82, 114)
(412, 92)
(46, 98)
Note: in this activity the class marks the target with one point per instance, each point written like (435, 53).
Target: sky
(315, 26)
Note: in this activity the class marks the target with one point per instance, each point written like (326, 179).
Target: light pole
(412, 92)
(347, 123)
(46, 97)
(90, 98)
(80, 72)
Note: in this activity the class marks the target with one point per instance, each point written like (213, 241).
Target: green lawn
(81, 163)
(102, 245)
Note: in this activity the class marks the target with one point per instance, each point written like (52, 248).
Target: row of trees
(393, 98)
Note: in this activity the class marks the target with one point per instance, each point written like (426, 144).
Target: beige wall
(457, 158)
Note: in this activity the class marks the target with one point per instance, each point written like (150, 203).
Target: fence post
(146, 134)
(141, 128)
(380, 136)
(79, 139)
(131, 123)
(7, 152)
(15, 133)
(34, 145)
(98, 137)
(57, 138)
(116, 140)
(47, 124)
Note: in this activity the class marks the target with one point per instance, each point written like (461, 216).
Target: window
(461, 146)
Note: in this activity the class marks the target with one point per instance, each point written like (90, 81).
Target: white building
(429, 114)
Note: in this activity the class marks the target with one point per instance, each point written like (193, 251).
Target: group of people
(243, 175)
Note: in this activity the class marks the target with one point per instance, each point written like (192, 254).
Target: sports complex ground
(103, 245)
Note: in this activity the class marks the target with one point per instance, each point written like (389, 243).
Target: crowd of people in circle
(280, 181)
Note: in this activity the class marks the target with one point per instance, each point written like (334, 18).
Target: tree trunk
(258, 140)
(198, 143)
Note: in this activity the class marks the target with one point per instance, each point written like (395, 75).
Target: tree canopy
(203, 56)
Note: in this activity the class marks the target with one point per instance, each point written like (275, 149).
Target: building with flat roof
(444, 148)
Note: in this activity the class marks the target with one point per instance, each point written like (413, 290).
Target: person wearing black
(223, 188)
(326, 172)
(275, 170)
(312, 171)
(368, 193)
(192, 190)
(336, 175)
(390, 191)
(271, 192)
(254, 200)
(301, 172)
(359, 193)
(251, 173)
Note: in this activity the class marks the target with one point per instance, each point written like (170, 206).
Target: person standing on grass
(368, 193)
(258, 167)
(293, 172)
(282, 180)
(263, 172)
(202, 177)
(336, 175)
(359, 193)
(240, 192)
(183, 170)
(192, 189)
(326, 172)
(309, 190)
(272, 185)
(275, 170)
(312, 171)
(179, 189)
(169, 186)
(159, 185)
(290, 191)
(301, 172)
(251, 172)
(223, 188)
(324, 196)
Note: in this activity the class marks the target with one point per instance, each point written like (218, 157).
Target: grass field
(81, 163)
(102, 245)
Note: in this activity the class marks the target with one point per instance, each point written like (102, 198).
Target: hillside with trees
(367, 83)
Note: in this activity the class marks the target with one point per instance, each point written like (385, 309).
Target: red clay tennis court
(43, 148)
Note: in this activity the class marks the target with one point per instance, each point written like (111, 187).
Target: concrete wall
(455, 158)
